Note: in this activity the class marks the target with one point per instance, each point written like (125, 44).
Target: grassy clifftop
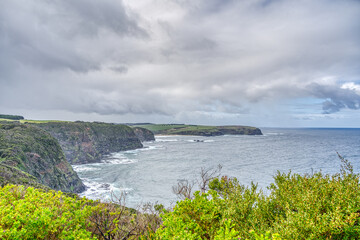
(199, 130)
(29, 155)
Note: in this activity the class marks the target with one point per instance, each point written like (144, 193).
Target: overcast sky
(281, 63)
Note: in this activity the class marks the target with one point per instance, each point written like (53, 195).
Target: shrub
(317, 206)
(310, 206)
(28, 213)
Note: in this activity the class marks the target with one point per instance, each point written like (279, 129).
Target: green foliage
(34, 151)
(198, 218)
(310, 206)
(11, 117)
(199, 130)
(266, 236)
(28, 213)
(316, 206)
(159, 128)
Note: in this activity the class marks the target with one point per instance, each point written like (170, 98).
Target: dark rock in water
(84, 142)
(31, 156)
(105, 186)
(144, 134)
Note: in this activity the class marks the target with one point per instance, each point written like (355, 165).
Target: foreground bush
(28, 213)
(311, 206)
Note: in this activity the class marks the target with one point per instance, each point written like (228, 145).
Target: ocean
(148, 174)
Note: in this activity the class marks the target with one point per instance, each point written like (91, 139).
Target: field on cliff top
(30, 121)
(183, 129)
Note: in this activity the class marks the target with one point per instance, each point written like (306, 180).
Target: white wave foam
(166, 140)
(82, 168)
(136, 151)
(101, 191)
(273, 134)
(117, 155)
(122, 158)
(118, 161)
(115, 158)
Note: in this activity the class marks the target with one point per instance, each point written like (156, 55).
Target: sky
(265, 63)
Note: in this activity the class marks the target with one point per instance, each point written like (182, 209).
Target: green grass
(40, 121)
(14, 117)
(201, 130)
(161, 127)
(175, 128)
(30, 121)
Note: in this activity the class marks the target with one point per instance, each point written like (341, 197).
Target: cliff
(84, 142)
(199, 130)
(12, 175)
(144, 134)
(11, 117)
(31, 156)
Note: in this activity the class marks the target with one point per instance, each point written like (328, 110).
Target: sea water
(148, 174)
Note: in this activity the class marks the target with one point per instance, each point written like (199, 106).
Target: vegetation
(31, 156)
(13, 175)
(198, 130)
(85, 142)
(28, 213)
(22, 120)
(158, 128)
(88, 142)
(310, 206)
(11, 117)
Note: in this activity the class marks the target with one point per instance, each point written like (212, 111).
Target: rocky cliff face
(84, 142)
(29, 155)
(13, 175)
(144, 134)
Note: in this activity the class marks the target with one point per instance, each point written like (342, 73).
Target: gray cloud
(89, 17)
(336, 98)
(178, 57)
(60, 35)
(119, 69)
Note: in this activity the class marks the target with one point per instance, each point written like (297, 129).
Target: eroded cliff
(144, 134)
(85, 142)
(29, 155)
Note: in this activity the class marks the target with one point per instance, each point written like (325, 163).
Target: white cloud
(351, 86)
